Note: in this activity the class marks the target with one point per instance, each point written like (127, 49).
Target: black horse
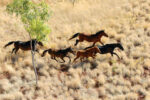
(59, 53)
(24, 45)
(109, 48)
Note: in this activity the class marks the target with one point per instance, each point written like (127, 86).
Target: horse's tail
(44, 52)
(9, 43)
(75, 35)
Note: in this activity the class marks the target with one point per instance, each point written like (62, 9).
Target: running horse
(90, 52)
(109, 48)
(90, 38)
(59, 53)
(25, 46)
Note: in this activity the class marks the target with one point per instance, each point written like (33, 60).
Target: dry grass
(125, 21)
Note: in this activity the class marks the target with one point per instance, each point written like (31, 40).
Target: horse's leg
(63, 59)
(93, 44)
(93, 56)
(77, 41)
(52, 57)
(75, 59)
(111, 54)
(114, 54)
(13, 50)
(81, 58)
(69, 58)
(16, 50)
(55, 59)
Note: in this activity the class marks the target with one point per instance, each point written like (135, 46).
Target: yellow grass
(126, 21)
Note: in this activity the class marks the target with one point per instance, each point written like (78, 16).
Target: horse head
(50, 50)
(120, 46)
(101, 33)
(40, 43)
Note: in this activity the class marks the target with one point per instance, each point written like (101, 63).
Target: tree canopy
(33, 15)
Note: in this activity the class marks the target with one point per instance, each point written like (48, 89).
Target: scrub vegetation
(125, 21)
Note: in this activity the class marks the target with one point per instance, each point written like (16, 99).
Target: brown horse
(90, 52)
(90, 38)
(58, 53)
(24, 45)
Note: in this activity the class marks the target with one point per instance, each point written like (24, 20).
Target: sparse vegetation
(131, 78)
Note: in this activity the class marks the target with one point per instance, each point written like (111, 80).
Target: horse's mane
(68, 48)
(63, 50)
(99, 32)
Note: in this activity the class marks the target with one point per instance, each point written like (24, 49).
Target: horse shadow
(93, 64)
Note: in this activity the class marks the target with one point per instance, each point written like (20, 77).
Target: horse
(59, 53)
(89, 38)
(109, 48)
(24, 45)
(90, 52)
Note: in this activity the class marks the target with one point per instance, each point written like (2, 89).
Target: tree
(33, 15)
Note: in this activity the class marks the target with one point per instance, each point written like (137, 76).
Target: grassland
(125, 21)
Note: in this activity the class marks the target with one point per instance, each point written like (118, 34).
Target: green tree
(33, 15)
